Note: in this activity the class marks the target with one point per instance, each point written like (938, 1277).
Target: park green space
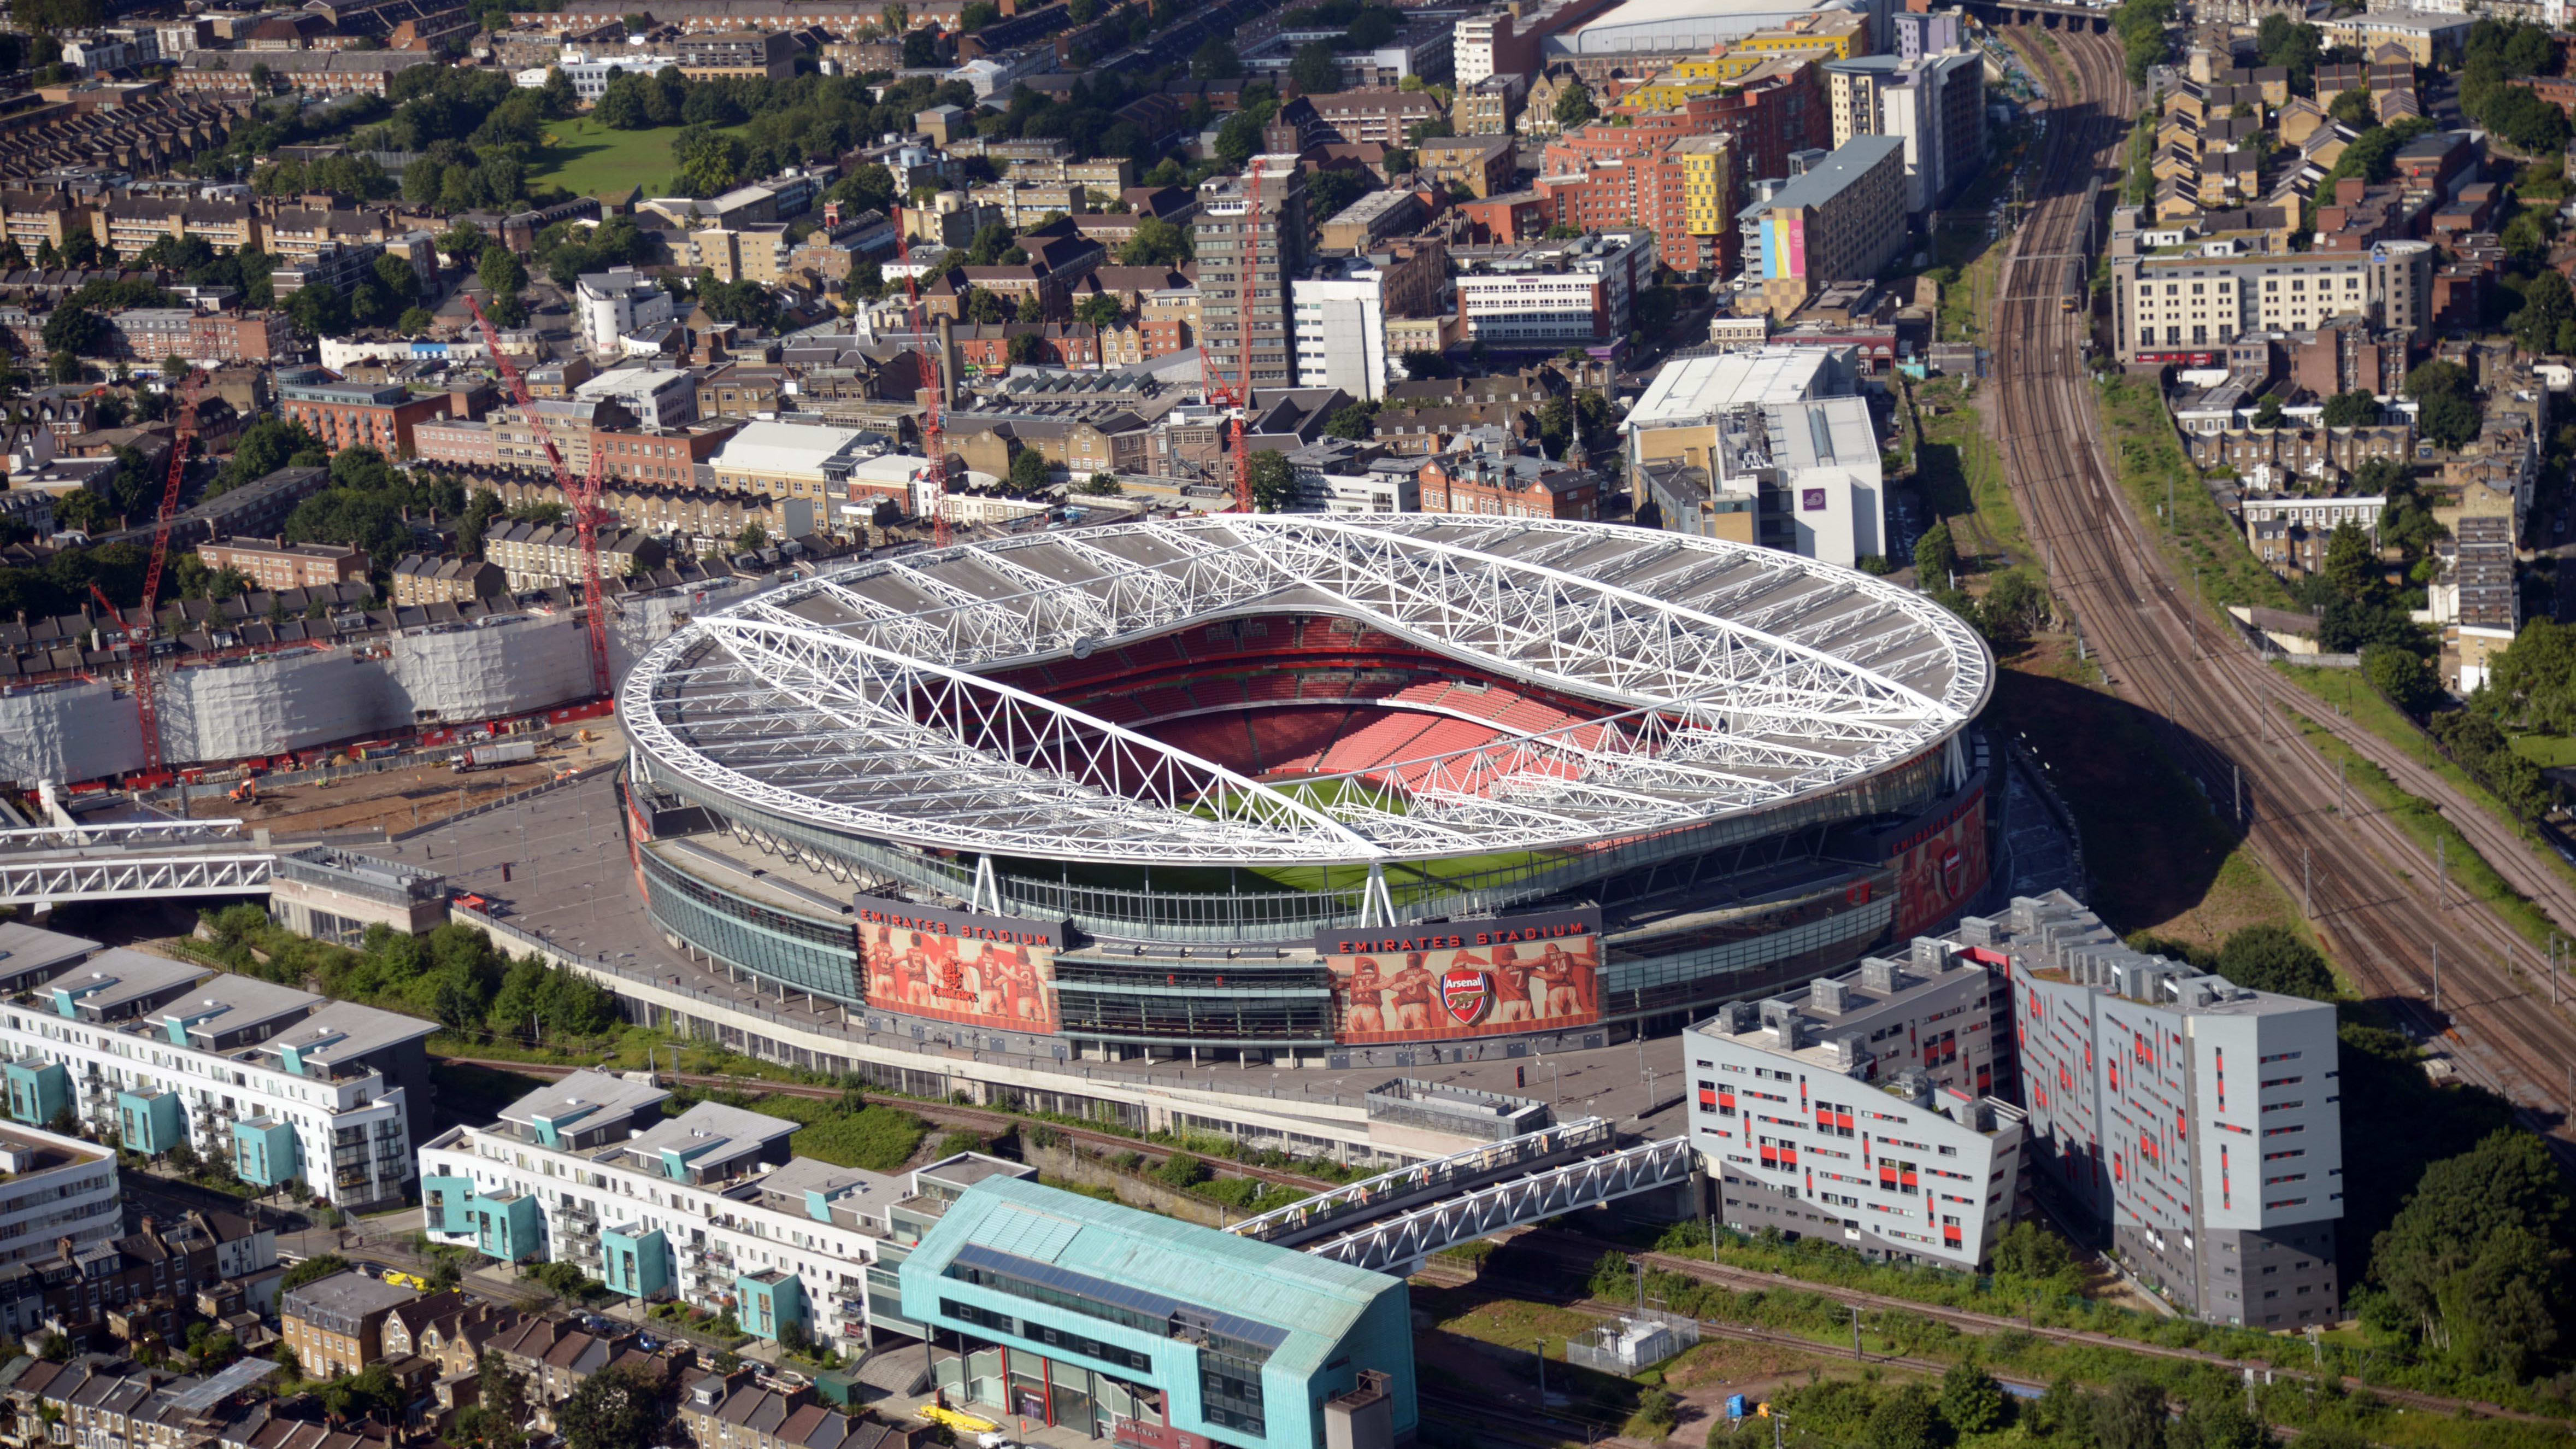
(589, 159)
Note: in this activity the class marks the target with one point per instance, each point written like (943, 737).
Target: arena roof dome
(1725, 679)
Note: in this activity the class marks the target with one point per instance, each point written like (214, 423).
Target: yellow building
(1708, 184)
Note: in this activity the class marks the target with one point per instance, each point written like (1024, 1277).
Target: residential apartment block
(2177, 304)
(1864, 1110)
(1547, 296)
(1842, 220)
(286, 1085)
(707, 1207)
(1246, 254)
(2196, 1120)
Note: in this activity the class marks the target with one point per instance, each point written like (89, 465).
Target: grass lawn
(587, 159)
(1961, 474)
(2546, 751)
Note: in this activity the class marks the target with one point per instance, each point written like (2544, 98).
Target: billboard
(1464, 978)
(961, 966)
(1940, 865)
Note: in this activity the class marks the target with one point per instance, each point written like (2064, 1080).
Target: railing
(587, 772)
(123, 833)
(1304, 1220)
(1397, 1243)
(133, 877)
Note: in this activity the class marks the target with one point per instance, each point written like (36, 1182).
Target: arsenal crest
(1466, 995)
(1952, 863)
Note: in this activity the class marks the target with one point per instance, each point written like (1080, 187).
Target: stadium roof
(1730, 679)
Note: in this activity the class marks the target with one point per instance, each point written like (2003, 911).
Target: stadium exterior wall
(1812, 902)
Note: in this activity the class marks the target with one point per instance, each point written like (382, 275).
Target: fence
(1631, 1344)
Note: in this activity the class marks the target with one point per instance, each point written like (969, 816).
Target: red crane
(1236, 396)
(935, 368)
(582, 495)
(138, 632)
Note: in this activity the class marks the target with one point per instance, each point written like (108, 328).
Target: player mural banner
(1465, 978)
(1940, 865)
(989, 971)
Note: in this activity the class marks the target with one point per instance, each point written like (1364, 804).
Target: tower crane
(582, 495)
(138, 631)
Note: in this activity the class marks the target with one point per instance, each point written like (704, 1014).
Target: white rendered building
(1340, 327)
(707, 1207)
(1861, 1111)
(1546, 295)
(616, 302)
(284, 1084)
(57, 1188)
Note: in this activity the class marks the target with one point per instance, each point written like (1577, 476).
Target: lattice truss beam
(1408, 1238)
(119, 877)
(1741, 669)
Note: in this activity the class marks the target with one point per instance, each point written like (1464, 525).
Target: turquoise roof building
(1084, 1313)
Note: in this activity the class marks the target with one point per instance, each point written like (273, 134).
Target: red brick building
(277, 564)
(667, 458)
(348, 415)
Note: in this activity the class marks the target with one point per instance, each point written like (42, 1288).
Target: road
(2375, 893)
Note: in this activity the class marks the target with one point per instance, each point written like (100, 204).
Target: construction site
(394, 794)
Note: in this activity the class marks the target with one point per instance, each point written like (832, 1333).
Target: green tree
(2130, 1414)
(752, 536)
(1934, 555)
(1215, 60)
(2351, 567)
(1274, 480)
(2353, 108)
(312, 1270)
(1574, 104)
(1971, 1401)
(1315, 68)
(2216, 1420)
(2354, 409)
(2400, 674)
(2547, 305)
(615, 1408)
(1906, 1419)
(1029, 471)
(2296, 47)
(2476, 1261)
(1356, 423)
(2273, 958)
(1157, 243)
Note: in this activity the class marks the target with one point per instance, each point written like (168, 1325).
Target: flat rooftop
(115, 978)
(353, 1293)
(583, 1098)
(31, 953)
(225, 1003)
(342, 1032)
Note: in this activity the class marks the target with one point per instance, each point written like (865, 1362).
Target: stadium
(1289, 789)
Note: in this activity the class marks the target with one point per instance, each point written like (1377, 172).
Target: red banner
(1467, 979)
(932, 973)
(1941, 869)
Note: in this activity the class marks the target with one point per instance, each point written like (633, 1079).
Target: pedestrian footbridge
(59, 864)
(1391, 1222)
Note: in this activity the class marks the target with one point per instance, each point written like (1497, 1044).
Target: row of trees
(453, 975)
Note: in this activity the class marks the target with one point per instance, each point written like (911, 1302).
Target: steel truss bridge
(1391, 1222)
(54, 865)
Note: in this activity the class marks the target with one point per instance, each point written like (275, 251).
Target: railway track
(2373, 891)
(946, 1114)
